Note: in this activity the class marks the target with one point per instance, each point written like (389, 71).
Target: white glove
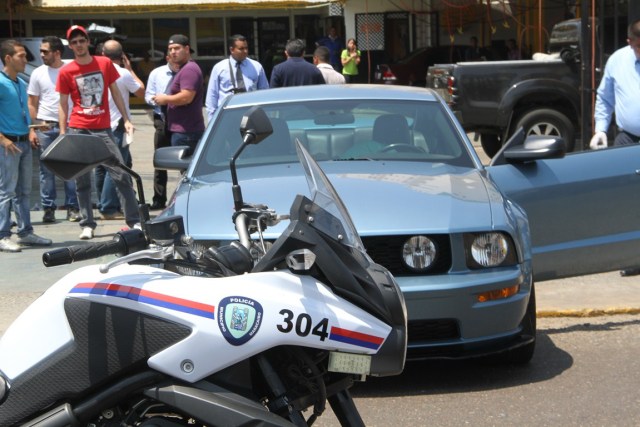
(599, 141)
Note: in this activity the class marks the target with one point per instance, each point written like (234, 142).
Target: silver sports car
(465, 241)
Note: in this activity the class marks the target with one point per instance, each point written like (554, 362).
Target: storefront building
(385, 30)
(145, 25)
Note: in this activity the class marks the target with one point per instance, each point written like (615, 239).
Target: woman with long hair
(350, 60)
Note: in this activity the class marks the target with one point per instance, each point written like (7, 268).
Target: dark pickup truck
(496, 98)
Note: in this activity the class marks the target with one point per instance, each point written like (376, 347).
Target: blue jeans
(105, 187)
(15, 189)
(188, 138)
(48, 192)
(121, 179)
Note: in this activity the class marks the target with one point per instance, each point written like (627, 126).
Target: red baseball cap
(75, 28)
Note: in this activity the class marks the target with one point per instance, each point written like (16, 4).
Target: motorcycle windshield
(325, 196)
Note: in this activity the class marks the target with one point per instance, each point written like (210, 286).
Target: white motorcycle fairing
(235, 334)
(217, 322)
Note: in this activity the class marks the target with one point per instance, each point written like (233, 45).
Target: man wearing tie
(237, 74)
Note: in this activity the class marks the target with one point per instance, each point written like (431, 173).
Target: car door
(583, 209)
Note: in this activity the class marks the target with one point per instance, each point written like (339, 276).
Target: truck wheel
(547, 122)
(490, 143)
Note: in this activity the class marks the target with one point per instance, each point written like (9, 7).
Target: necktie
(167, 89)
(240, 87)
(164, 109)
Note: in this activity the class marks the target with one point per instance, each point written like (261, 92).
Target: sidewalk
(599, 294)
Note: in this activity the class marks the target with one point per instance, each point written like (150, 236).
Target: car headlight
(491, 249)
(419, 253)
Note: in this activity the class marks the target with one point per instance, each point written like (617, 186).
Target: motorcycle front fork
(345, 409)
(341, 402)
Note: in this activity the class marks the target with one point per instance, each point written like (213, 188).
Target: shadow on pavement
(461, 376)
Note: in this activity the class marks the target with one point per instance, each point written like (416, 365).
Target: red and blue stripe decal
(355, 338)
(147, 297)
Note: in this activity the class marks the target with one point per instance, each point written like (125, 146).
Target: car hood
(383, 198)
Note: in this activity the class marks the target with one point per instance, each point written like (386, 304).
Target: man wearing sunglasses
(43, 108)
(87, 81)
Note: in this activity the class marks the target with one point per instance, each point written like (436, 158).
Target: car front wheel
(523, 354)
(491, 143)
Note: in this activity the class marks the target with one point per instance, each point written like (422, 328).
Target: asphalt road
(585, 372)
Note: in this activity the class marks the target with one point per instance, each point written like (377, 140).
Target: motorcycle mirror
(71, 155)
(66, 159)
(255, 126)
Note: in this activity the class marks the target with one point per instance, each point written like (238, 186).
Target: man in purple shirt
(184, 99)
(295, 71)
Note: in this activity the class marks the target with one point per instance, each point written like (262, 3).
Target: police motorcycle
(243, 334)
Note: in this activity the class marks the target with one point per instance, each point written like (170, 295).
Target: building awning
(172, 5)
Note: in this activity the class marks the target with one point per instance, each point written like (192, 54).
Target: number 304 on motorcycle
(303, 325)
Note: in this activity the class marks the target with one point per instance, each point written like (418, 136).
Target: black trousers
(626, 138)
(161, 138)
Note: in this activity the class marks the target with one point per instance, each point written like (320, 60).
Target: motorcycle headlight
(419, 253)
(492, 249)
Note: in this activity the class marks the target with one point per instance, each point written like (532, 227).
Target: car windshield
(340, 130)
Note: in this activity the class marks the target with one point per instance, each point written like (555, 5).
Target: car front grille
(387, 251)
(430, 330)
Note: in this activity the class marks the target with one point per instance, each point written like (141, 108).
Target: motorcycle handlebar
(123, 243)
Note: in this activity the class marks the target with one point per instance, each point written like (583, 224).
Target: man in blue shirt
(237, 74)
(295, 71)
(335, 46)
(619, 92)
(16, 141)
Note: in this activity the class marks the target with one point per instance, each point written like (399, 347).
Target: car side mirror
(536, 148)
(172, 158)
(521, 149)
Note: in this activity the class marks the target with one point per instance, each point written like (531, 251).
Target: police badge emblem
(239, 319)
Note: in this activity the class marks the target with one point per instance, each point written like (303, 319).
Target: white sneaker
(87, 233)
(137, 226)
(33, 239)
(8, 245)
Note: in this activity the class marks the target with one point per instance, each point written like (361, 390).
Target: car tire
(523, 354)
(548, 122)
(491, 143)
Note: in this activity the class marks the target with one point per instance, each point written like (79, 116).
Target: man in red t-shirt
(87, 80)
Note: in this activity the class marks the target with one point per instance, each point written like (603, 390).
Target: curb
(586, 312)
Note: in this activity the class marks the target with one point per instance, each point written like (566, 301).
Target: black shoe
(156, 206)
(49, 215)
(73, 215)
(630, 272)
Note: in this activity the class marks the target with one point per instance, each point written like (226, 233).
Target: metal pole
(585, 67)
